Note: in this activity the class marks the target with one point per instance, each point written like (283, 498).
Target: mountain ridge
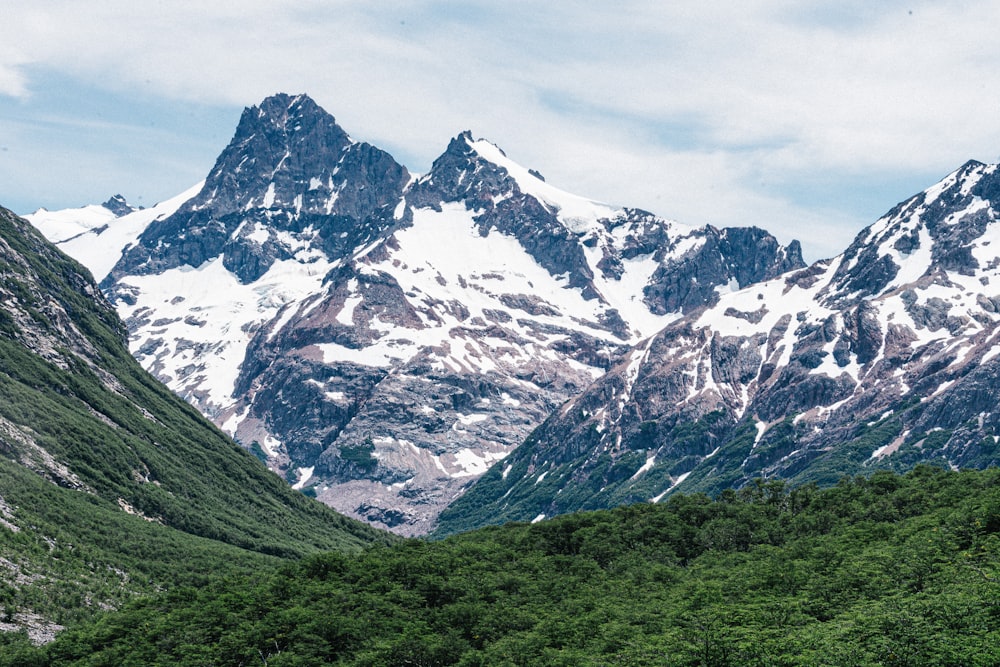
(879, 358)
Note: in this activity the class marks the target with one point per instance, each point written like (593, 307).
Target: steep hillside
(109, 483)
(381, 339)
(880, 358)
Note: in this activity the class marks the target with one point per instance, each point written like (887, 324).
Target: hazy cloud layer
(808, 121)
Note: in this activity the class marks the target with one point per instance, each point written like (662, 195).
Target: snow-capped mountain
(64, 225)
(885, 356)
(381, 339)
(96, 234)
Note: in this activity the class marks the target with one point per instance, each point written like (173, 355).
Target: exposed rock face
(44, 321)
(381, 340)
(749, 255)
(289, 181)
(119, 206)
(882, 357)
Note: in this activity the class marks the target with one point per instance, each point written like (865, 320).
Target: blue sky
(808, 119)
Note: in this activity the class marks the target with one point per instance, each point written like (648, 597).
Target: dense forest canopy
(886, 570)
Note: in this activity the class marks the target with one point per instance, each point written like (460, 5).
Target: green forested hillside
(73, 554)
(890, 570)
(110, 485)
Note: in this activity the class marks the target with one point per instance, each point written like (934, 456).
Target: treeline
(888, 570)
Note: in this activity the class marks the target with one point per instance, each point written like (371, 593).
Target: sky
(809, 119)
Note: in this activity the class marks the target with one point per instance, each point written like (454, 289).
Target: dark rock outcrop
(289, 168)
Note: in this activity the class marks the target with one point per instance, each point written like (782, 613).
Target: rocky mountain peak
(590, 242)
(461, 173)
(283, 110)
(290, 183)
(119, 206)
(947, 229)
(286, 142)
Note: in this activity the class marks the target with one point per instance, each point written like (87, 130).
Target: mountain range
(379, 338)
(474, 345)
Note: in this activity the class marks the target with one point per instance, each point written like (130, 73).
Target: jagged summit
(948, 228)
(592, 243)
(119, 206)
(290, 184)
(283, 148)
(480, 173)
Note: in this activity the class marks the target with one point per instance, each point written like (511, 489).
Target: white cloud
(683, 108)
(12, 79)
